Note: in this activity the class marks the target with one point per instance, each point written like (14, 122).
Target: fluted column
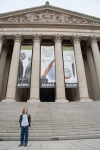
(35, 75)
(5, 77)
(93, 75)
(11, 88)
(2, 65)
(96, 55)
(83, 91)
(2, 39)
(60, 86)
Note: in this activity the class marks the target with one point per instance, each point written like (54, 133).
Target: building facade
(62, 53)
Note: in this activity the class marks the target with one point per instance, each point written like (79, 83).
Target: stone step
(49, 138)
(53, 132)
(53, 125)
(49, 130)
(74, 120)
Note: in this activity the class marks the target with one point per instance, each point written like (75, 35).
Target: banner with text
(24, 71)
(47, 79)
(69, 67)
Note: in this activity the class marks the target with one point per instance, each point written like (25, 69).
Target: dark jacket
(29, 120)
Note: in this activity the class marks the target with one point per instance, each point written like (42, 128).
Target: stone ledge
(61, 100)
(85, 100)
(33, 100)
(8, 100)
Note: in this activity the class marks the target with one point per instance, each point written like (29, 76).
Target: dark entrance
(22, 94)
(72, 94)
(47, 94)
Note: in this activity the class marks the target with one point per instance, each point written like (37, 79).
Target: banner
(24, 71)
(47, 79)
(69, 67)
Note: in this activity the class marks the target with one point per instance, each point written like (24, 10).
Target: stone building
(74, 41)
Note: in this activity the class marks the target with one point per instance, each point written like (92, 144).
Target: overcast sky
(89, 7)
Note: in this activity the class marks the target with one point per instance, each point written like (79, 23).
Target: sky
(89, 7)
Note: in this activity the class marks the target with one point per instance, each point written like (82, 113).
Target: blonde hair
(25, 111)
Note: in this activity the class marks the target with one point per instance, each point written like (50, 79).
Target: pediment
(48, 14)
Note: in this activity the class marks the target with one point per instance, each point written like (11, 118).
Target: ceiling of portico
(49, 15)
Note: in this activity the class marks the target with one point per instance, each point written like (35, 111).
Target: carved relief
(18, 38)
(48, 16)
(93, 39)
(57, 38)
(76, 38)
(37, 37)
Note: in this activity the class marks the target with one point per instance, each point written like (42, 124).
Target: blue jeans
(24, 135)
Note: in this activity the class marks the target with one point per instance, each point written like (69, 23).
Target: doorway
(47, 94)
(72, 94)
(22, 94)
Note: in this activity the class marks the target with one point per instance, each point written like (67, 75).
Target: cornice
(49, 25)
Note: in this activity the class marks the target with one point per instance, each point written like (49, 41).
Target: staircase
(52, 121)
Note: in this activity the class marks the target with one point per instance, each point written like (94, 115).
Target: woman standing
(25, 121)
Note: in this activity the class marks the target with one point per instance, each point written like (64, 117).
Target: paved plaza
(85, 144)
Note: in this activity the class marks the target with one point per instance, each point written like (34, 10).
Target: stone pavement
(85, 144)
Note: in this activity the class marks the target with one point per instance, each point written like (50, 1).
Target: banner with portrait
(69, 67)
(47, 76)
(24, 70)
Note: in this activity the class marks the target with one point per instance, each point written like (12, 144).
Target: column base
(33, 100)
(85, 100)
(61, 100)
(8, 100)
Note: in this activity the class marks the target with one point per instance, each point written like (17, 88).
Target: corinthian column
(93, 75)
(2, 39)
(83, 91)
(60, 86)
(96, 55)
(2, 65)
(11, 88)
(5, 77)
(35, 75)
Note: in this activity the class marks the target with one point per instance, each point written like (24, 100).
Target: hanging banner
(24, 71)
(47, 79)
(69, 67)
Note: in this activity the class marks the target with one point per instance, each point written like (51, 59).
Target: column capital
(76, 38)
(93, 39)
(37, 37)
(18, 37)
(2, 39)
(58, 38)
